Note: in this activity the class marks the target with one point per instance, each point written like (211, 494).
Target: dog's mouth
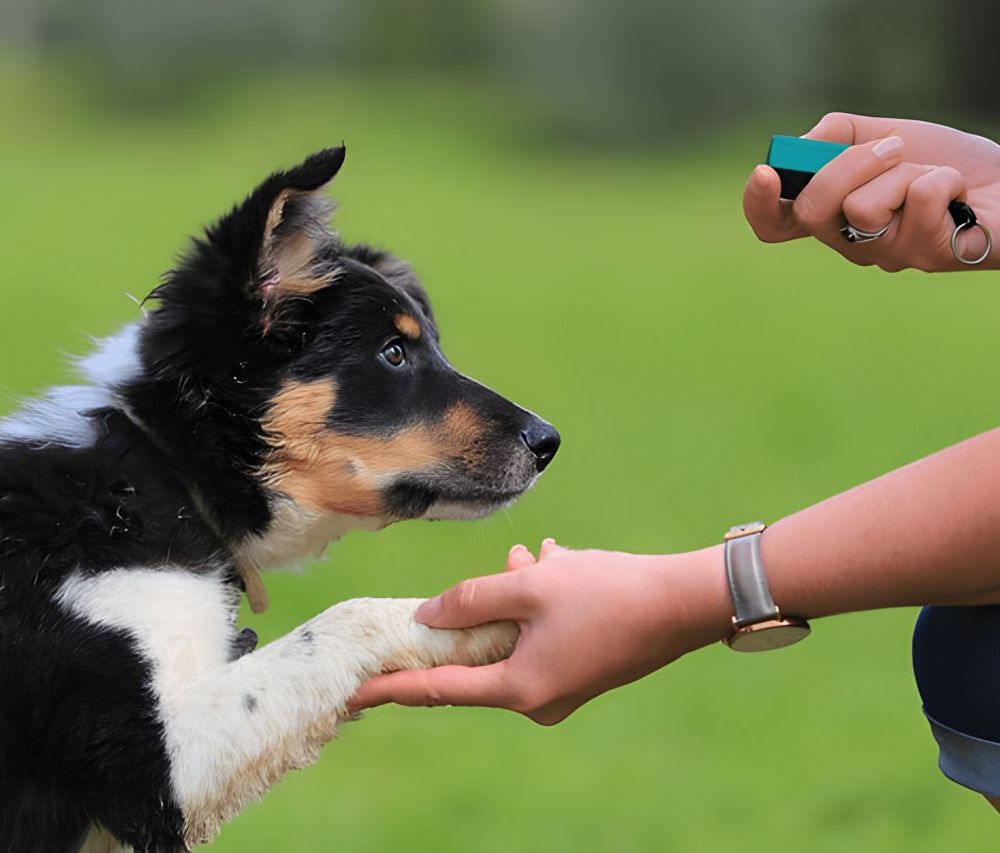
(477, 478)
(468, 509)
(435, 501)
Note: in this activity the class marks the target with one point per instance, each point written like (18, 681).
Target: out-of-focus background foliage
(566, 176)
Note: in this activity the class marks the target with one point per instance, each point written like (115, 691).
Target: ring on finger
(856, 235)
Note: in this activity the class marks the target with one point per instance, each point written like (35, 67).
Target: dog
(285, 387)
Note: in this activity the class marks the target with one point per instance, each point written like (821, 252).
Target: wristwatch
(758, 624)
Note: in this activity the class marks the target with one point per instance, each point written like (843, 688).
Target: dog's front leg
(238, 729)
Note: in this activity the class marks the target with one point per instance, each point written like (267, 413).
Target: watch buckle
(741, 530)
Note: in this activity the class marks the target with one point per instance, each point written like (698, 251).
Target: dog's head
(332, 354)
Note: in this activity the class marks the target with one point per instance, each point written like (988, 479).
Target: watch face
(765, 636)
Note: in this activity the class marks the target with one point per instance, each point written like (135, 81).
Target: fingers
(872, 206)
(922, 195)
(485, 599)
(818, 207)
(481, 686)
(476, 601)
(769, 216)
(834, 127)
(550, 548)
(518, 557)
(925, 225)
(850, 129)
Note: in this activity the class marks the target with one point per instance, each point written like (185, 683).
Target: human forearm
(928, 533)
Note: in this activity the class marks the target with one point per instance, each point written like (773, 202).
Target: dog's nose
(542, 439)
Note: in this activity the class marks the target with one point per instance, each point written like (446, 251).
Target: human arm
(900, 172)
(928, 533)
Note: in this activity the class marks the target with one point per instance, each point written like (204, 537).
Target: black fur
(79, 738)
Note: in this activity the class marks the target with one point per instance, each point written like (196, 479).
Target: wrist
(697, 600)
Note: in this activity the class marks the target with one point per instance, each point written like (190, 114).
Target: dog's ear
(275, 237)
(233, 290)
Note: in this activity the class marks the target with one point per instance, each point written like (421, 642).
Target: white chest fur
(181, 622)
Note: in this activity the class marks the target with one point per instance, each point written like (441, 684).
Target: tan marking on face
(465, 430)
(407, 326)
(331, 472)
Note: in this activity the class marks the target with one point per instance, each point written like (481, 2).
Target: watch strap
(752, 601)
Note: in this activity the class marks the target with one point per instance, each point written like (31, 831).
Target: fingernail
(428, 611)
(888, 147)
(549, 541)
(517, 549)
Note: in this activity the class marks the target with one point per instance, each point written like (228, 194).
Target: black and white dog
(285, 389)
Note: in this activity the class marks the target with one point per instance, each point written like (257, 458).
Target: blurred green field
(610, 293)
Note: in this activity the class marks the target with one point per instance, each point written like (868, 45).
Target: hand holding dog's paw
(589, 621)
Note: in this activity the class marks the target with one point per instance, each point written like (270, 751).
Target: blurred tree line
(598, 69)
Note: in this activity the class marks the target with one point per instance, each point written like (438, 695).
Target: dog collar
(253, 586)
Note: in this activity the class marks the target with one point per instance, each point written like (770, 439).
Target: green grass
(699, 379)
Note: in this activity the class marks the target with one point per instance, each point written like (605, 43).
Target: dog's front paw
(398, 641)
(483, 644)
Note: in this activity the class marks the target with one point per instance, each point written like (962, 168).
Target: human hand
(590, 621)
(899, 172)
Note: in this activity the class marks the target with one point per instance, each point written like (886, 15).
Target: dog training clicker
(797, 160)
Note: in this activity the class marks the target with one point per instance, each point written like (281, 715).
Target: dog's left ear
(232, 291)
(276, 236)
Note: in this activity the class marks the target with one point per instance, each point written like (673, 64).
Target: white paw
(388, 630)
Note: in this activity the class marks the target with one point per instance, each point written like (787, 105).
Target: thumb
(476, 601)
(769, 216)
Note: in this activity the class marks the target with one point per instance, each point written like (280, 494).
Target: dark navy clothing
(956, 660)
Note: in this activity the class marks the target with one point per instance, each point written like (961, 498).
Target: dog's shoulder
(107, 504)
(112, 589)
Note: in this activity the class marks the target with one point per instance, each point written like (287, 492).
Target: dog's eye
(394, 355)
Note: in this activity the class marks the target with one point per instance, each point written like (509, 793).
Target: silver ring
(856, 235)
(954, 243)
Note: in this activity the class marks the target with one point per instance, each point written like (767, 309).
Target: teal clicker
(796, 160)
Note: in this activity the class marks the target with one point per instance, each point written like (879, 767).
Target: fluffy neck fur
(277, 533)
